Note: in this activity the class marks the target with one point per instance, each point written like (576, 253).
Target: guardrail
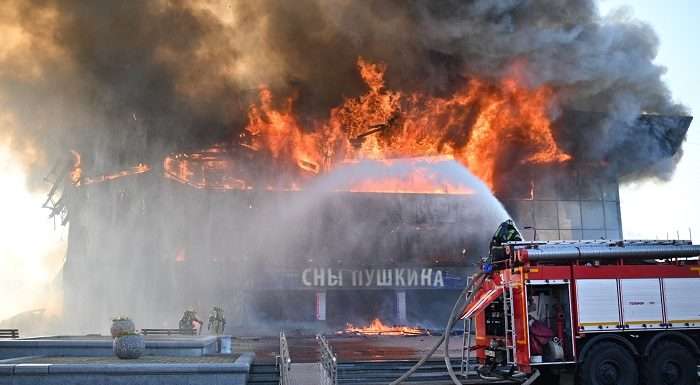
(284, 361)
(329, 362)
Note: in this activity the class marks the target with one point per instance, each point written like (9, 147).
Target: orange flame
(377, 328)
(138, 169)
(211, 169)
(280, 134)
(479, 124)
(422, 175)
(76, 172)
(77, 178)
(476, 125)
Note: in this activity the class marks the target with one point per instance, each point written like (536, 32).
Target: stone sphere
(129, 346)
(122, 326)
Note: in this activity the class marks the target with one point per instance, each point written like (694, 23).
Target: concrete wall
(102, 346)
(41, 370)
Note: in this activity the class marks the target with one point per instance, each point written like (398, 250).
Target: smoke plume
(127, 82)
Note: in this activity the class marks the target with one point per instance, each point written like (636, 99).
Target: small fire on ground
(378, 328)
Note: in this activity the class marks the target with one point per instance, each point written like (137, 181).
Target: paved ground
(304, 349)
(306, 374)
(305, 356)
(358, 348)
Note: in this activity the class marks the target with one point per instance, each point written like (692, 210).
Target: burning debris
(378, 328)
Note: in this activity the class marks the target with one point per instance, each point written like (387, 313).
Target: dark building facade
(149, 247)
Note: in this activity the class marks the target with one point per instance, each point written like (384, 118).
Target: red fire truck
(616, 312)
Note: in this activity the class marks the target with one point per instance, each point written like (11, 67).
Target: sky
(653, 209)
(33, 249)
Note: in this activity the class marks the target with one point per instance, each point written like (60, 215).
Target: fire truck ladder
(509, 325)
(467, 341)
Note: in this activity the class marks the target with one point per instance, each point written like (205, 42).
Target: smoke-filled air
(238, 134)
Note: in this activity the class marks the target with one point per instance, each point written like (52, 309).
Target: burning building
(321, 160)
(338, 224)
(341, 255)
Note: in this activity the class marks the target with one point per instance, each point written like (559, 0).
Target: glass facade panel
(612, 215)
(546, 215)
(569, 215)
(592, 215)
(570, 234)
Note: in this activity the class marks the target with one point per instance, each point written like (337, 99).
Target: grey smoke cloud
(127, 82)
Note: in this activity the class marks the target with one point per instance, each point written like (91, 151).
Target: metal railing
(329, 363)
(466, 341)
(284, 361)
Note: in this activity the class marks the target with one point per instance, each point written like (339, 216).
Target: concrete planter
(129, 346)
(122, 326)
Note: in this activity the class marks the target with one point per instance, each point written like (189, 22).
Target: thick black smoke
(127, 82)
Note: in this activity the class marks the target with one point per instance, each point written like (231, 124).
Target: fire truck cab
(615, 312)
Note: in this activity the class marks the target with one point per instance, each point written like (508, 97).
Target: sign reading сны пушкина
(396, 277)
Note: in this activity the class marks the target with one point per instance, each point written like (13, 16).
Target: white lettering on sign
(356, 277)
(412, 278)
(370, 276)
(425, 276)
(397, 277)
(335, 279)
(319, 275)
(305, 277)
(438, 279)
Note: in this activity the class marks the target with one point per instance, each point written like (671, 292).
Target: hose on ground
(450, 322)
(473, 286)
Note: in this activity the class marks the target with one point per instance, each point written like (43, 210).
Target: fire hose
(472, 288)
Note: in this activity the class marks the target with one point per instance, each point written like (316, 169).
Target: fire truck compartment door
(681, 299)
(598, 308)
(641, 303)
(480, 302)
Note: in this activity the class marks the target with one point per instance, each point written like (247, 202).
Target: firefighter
(217, 322)
(506, 232)
(189, 319)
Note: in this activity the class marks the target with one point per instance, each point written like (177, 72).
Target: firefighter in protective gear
(506, 232)
(217, 322)
(189, 321)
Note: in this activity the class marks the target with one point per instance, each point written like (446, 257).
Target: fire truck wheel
(671, 363)
(608, 363)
